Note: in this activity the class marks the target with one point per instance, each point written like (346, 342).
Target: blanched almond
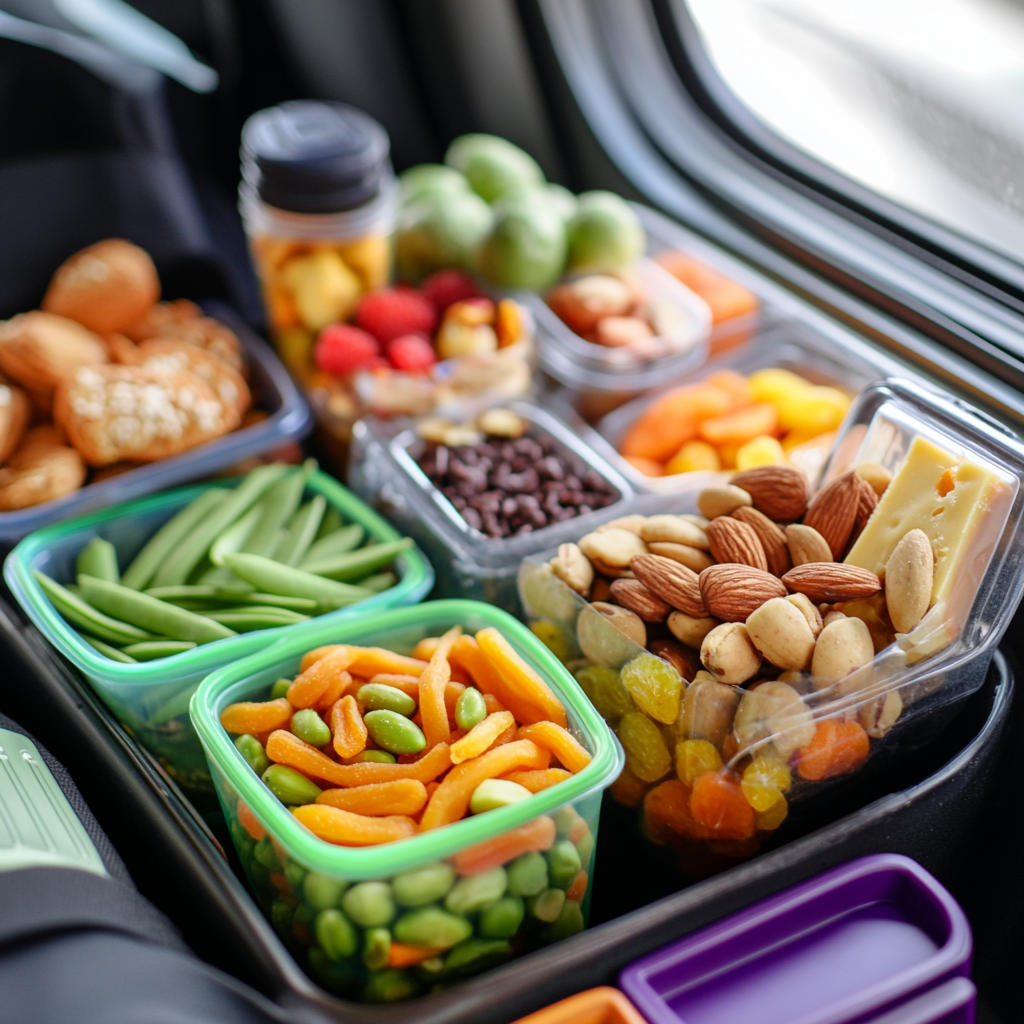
(691, 630)
(842, 647)
(729, 654)
(806, 545)
(692, 558)
(908, 580)
(674, 530)
(722, 501)
(615, 547)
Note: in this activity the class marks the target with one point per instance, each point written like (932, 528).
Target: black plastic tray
(929, 812)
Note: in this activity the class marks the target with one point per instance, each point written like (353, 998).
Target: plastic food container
(273, 391)
(468, 563)
(297, 878)
(908, 690)
(318, 200)
(151, 698)
(843, 947)
(604, 1005)
(786, 347)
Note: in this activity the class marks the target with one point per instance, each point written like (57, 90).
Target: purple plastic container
(847, 946)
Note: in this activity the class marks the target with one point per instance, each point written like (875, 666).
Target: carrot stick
(432, 686)
(313, 656)
(578, 889)
(426, 647)
(535, 781)
(334, 692)
(250, 822)
(533, 837)
(481, 736)
(409, 956)
(256, 716)
(520, 679)
(313, 683)
(348, 728)
(403, 796)
(492, 704)
(451, 799)
(371, 661)
(560, 742)
(343, 828)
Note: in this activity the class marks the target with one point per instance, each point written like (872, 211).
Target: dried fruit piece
(655, 686)
(647, 757)
(837, 748)
(694, 758)
(605, 690)
(717, 802)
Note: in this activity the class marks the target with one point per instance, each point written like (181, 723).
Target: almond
(772, 537)
(673, 530)
(672, 582)
(692, 558)
(806, 544)
(632, 594)
(732, 540)
(875, 475)
(830, 581)
(633, 523)
(731, 592)
(721, 501)
(834, 510)
(689, 630)
(780, 492)
(866, 504)
(908, 580)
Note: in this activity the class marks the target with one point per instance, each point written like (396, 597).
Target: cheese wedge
(952, 500)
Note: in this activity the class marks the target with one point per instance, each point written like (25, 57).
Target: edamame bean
(322, 891)
(98, 558)
(150, 613)
(528, 875)
(280, 689)
(568, 923)
(501, 920)
(564, 819)
(281, 915)
(476, 955)
(252, 750)
(585, 847)
(389, 986)
(274, 578)
(494, 793)
(563, 864)
(394, 732)
(301, 531)
(156, 550)
(335, 933)
(369, 904)
(354, 564)
(423, 885)
(337, 542)
(376, 948)
(151, 650)
(379, 697)
(109, 652)
(470, 708)
(475, 892)
(547, 905)
(81, 613)
(264, 853)
(379, 582)
(292, 788)
(309, 726)
(295, 873)
(375, 756)
(432, 927)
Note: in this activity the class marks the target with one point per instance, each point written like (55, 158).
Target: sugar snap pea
(239, 619)
(301, 531)
(355, 564)
(156, 550)
(179, 564)
(99, 558)
(150, 650)
(150, 613)
(379, 582)
(82, 614)
(331, 522)
(235, 536)
(219, 595)
(275, 578)
(345, 538)
(277, 506)
(110, 652)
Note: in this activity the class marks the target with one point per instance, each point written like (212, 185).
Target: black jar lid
(310, 156)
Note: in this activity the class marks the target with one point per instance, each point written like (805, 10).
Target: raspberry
(390, 313)
(412, 353)
(448, 286)
(342, 349)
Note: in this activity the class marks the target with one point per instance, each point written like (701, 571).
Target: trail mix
(506, 477)
(231, 561)
(366, 746)
(765, 619)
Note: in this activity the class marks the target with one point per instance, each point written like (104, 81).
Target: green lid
(397, 630)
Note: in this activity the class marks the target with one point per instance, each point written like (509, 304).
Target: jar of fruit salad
(318, 199)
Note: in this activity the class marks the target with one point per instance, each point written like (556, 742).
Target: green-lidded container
(151, 698)
(317, 895)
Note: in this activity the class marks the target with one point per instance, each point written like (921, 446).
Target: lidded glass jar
(318, 199)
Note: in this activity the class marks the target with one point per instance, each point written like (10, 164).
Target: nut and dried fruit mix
(104, 377)
(778, 628)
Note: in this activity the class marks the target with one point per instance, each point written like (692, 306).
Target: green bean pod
(156, 550)
(277, 507)
(150, 612)
(82, 614)
(235, 536)
(150, 650)
(247, 620)
(275, 578)
(301, 531)
(330, 523)
(356, 564)
(107, 651)
(99, 558)
(346, 538)
(220, 595)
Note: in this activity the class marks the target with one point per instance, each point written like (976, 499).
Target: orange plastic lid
(604, 1005)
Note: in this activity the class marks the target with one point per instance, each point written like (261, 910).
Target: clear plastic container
(273, 391)
(887, 706)
(151, 698)
(468, 563)
(788, 347)
(296, 877)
